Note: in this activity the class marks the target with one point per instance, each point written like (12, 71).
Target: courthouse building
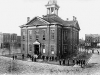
(50, 36)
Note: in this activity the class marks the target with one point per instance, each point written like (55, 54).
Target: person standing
(73, 61)
(43, 58)
(60, 61)
(47, 58)
(13, 57)
(92, 51)
(68, 62)
(56, 58)
(98, 52)
(32, 58)
(63, 61)
(79, 62)
(82, 63)
(22, 56)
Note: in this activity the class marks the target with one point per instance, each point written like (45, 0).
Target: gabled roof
(51, 19)
(38, 18)
(72, 23)
(35, 21)
(56, 19)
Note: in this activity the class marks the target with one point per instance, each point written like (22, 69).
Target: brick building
(50, 35)
(92, 40)
(6, 40)
(81, 44)
(18, 41)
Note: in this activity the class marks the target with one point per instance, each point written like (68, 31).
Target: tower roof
(52, 2)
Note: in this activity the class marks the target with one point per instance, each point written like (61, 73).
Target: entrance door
(36, 49)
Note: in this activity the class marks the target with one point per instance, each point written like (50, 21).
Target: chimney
(74, 18)
(43, 16)
(28, 19)
(67, 19)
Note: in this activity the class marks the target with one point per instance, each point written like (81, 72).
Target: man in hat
(60, 61)
(63, 61)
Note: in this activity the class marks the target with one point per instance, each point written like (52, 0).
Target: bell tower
(52, 7)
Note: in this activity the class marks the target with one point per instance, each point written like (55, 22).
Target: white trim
(36, 42)
(39, 18)
(57, 23)
(38, 27)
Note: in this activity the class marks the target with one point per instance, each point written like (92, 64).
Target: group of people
(97, 51)
(62, 61)
(49, 58)
(80, 62)
(33, 58)
(14, 57)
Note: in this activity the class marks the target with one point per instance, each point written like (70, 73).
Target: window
(30, 34)
(65, 48)
(23, 47)
(43, 34)
(52, 34)
(43, 48)
(52, 49)
(65, 35)
(30, 47)
(59, 34)
(23, 35)
(37, 34)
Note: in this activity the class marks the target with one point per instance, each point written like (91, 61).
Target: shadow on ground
(90, 65)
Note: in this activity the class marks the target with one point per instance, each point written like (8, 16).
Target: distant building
(92, 40)
(50, 36)
(6, 40)
(81, 43)
(19, 41)
(13, 39)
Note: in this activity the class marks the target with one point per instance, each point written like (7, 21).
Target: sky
(14, 13)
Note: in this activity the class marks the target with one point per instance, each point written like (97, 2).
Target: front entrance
(36, 49)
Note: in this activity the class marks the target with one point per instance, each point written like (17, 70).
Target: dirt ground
(19, 67)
